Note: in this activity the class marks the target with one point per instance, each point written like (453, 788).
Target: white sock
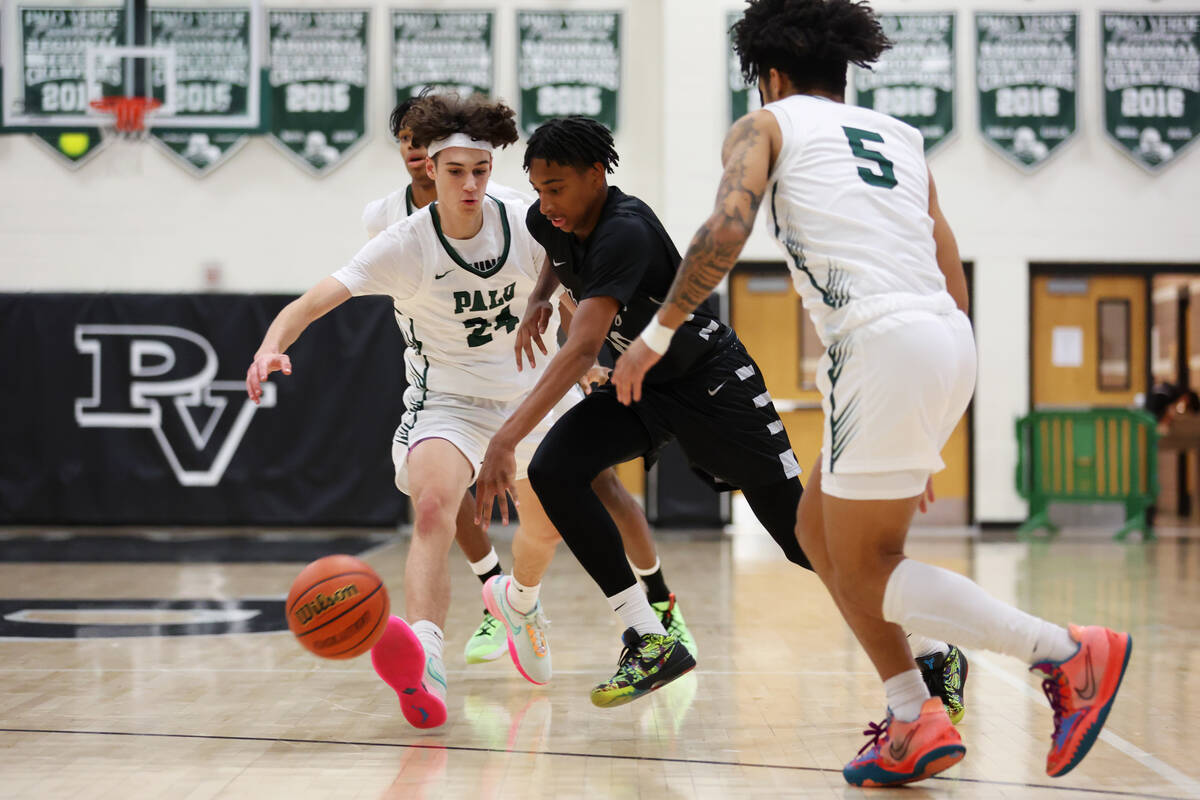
(486, 564)
(430, 636)
(906, 693)
(640, 572)
(635, 612)
(941, 603)
(922, 646)
(522, 598)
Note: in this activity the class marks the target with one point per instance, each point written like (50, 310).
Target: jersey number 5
(505, 321)
(886, 177)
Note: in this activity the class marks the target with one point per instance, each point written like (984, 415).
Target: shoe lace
(536, 630)
(1056, 689)
(489, 625)
(876, 732)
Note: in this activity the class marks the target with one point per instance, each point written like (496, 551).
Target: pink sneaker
(399, 659)
(1081, 692)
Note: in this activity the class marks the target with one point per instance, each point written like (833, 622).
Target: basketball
(338, 607)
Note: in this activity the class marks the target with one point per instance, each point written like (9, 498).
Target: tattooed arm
(750, 149)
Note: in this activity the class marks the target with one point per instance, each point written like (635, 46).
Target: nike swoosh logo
(1089, 686)
(898, 749)
(557, 263)
(712, 392)
(444, 274)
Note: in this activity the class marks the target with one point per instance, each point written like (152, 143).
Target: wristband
(657, 336)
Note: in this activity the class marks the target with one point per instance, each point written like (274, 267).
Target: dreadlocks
(810, 41)
(572, 142)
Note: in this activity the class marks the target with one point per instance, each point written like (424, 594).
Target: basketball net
(129, 113)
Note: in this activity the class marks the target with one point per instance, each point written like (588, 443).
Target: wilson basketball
(338, 607)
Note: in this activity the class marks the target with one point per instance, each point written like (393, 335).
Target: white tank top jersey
(378, 214)
(848, 200)
(458, 302)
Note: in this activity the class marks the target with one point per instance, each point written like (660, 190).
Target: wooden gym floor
(774, 709)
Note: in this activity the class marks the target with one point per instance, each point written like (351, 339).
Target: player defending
(459, 271)
(855, 209)
(489, 641)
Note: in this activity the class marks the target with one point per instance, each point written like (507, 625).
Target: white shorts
(892, 392)
(468, 423)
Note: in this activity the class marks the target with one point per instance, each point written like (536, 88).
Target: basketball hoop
(129, 113)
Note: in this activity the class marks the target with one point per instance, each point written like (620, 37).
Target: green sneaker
(946, 677)
(672, 619)
(489, 641)
(647, 663)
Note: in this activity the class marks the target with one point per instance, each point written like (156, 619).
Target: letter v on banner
(135, 368)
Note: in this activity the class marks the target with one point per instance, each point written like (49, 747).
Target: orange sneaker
(1081, 692)
(903, 752)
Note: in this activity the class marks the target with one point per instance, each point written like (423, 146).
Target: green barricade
(1095, 455)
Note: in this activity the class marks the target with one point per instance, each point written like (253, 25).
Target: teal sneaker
(672, 619)
(488, 642)
(525, 634)
(647, 663)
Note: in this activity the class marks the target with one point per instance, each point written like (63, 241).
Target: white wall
(133, 220)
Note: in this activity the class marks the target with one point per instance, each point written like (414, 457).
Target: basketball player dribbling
(489, 641)
(854, 206)
(460, 271)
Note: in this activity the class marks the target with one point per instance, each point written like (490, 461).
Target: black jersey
(630, 257)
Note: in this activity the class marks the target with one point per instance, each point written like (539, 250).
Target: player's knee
(433, 512)
(611, 491)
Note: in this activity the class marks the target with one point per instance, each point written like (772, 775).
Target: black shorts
(723, 417)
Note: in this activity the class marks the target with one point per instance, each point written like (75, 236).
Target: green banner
(1151, 66)
(53, 42)
(446, 51)
(1027, 68)
(568, 62)
(213, 75)
(319, 84)
(743, 98)
(914, 80)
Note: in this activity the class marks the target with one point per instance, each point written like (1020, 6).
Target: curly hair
(572, 142)
(810, 41)
(396, 120)
(436, 116)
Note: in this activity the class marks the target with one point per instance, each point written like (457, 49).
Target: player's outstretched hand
(927, 498)
(537, 320)
(264, 364)
(597, 375)
(631, 368)
(497, 477)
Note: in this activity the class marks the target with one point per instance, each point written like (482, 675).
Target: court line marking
(314, 670)
(1147, 760)
(566, 754)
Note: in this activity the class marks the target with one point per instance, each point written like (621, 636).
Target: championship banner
(914, 80)
(214, 75)
(132, 409)
(1027, 68)
(1151, 66)
(318, 84)
(743, 98)
(568, 62)
(443, 51)
(51, 78)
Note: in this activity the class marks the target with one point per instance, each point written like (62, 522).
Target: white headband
(458, 140)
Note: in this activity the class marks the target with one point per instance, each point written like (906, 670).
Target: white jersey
(378, 214)
(848, 201)
(458, 301)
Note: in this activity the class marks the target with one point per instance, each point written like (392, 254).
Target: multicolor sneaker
(488, 642)
(526, 633)
(946, 677)
(647, 663)
(903, 752)
(1081, 690)
(672, 619)
(419, 682)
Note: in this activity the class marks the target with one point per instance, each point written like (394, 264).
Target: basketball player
(460, 272)
(612, 254)
(489, 641)
(855, 209)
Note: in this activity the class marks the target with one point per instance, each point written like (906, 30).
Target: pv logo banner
(163, 378)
